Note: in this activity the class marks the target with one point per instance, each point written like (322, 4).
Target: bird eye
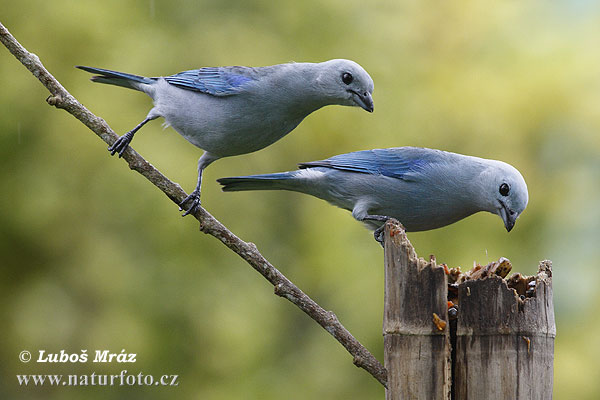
(347, 78)
(504, 189)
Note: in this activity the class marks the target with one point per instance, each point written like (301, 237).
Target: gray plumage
(229, 111)
(422, 188)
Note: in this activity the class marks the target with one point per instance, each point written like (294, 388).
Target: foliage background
(93, 257)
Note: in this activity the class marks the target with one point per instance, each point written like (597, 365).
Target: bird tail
(117, 78)
(278, 181)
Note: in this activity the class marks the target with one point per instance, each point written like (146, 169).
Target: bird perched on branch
(422, 188)
(228, 111)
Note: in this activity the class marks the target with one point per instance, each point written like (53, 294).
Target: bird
(422, 188)
(229, 111)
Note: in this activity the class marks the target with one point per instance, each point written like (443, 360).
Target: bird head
(507, 194)
(346, 83)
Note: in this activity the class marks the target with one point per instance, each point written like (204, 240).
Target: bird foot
(121, 144)
(194, 197)
(378, 235)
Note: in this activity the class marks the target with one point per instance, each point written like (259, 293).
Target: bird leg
(194, 197)
(378, 233)
(120, 145)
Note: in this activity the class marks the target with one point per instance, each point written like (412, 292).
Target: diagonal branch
(61, 98)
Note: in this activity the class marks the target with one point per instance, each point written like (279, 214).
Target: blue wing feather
(216, 81)
(400, 162)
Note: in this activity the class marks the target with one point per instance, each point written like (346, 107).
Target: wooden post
(504, 343)
(415, 332)
(499, 346)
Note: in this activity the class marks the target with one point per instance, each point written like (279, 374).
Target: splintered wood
(498, 345)
(524, 286)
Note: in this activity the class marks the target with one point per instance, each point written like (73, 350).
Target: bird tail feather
(281, 180)
(116, 78)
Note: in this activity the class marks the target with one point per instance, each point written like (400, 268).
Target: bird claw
(378, 235)
(194, 207)
(120, 145)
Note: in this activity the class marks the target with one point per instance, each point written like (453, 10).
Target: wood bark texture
(500, 346)
(415, 332)
(505, 345)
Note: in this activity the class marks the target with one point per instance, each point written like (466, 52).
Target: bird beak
(508, 216)
(365, 101)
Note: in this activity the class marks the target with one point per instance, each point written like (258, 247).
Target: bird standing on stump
(422, 188)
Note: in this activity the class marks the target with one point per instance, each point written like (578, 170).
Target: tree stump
(496, 343)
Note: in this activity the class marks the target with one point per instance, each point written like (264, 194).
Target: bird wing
(216, 81)
(402, 162)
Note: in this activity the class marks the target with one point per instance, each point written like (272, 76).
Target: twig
(60, 98)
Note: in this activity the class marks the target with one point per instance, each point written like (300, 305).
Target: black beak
(508, 216)
(365, 100)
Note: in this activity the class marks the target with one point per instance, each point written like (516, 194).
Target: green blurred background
(94, 257)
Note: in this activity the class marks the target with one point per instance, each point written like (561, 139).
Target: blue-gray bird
(228, 111)
(422, 188)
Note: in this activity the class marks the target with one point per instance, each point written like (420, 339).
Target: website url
(123, 379)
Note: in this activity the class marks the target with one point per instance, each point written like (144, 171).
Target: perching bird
(422, 188)
(228, 111)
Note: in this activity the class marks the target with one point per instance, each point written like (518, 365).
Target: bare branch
(60, 98)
